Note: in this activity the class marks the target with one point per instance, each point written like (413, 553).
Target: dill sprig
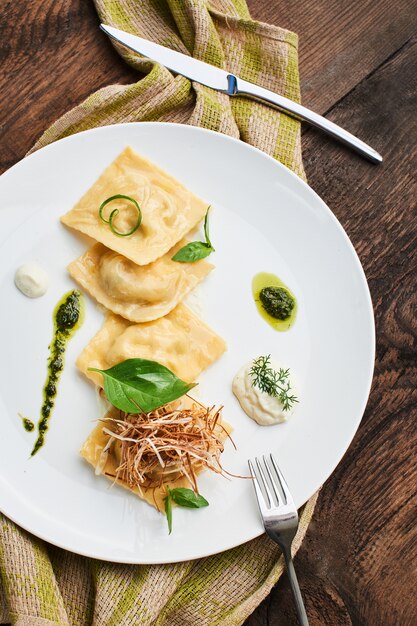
(274, 383)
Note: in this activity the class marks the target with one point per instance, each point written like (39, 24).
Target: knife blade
(221, 80)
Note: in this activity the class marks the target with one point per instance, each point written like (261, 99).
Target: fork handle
(295, 588)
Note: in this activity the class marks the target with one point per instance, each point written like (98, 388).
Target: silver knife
(221, 80)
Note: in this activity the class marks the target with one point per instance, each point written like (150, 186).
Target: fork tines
(270, 485)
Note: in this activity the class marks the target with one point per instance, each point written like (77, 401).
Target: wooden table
(358, 67)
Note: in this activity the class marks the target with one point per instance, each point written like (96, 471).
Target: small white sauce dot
(31, 279)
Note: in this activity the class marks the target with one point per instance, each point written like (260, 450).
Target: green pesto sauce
(28, 425)
(259, 282)
(67, 318)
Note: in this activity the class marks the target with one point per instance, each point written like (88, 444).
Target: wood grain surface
(357, 565)
(340, 42)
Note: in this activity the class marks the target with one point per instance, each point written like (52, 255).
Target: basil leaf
(206, 230)
(139, 385)
(182, 497)
(187, 498)
(168, 511)
(193, 251)
(196, 250)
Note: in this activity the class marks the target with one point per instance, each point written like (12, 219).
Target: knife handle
(239, 87)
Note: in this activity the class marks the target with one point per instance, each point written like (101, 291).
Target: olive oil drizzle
(259, 282)
(67, 317)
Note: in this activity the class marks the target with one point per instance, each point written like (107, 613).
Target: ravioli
(169, 210)
(179, 340)
(92, 452)
(139, 293)
(104, 461)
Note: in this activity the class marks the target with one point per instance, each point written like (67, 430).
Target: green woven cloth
(44, 585)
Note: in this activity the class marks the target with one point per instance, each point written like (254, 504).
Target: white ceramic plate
(264, 218)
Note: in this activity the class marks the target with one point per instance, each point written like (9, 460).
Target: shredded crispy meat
(168, 443)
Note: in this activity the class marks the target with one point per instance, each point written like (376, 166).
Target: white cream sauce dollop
(31, 279)
(266, 410)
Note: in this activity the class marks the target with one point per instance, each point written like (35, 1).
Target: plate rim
(369, 311)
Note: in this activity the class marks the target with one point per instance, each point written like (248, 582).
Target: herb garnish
(196, 250)
(274, 383)
(182, 497)
(140, 386)
(115, 212)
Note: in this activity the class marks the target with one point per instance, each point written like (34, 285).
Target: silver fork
(280, 518)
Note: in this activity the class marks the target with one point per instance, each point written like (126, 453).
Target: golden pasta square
(139, 293)
(169, 210)
(179, 340)
(134, 465)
